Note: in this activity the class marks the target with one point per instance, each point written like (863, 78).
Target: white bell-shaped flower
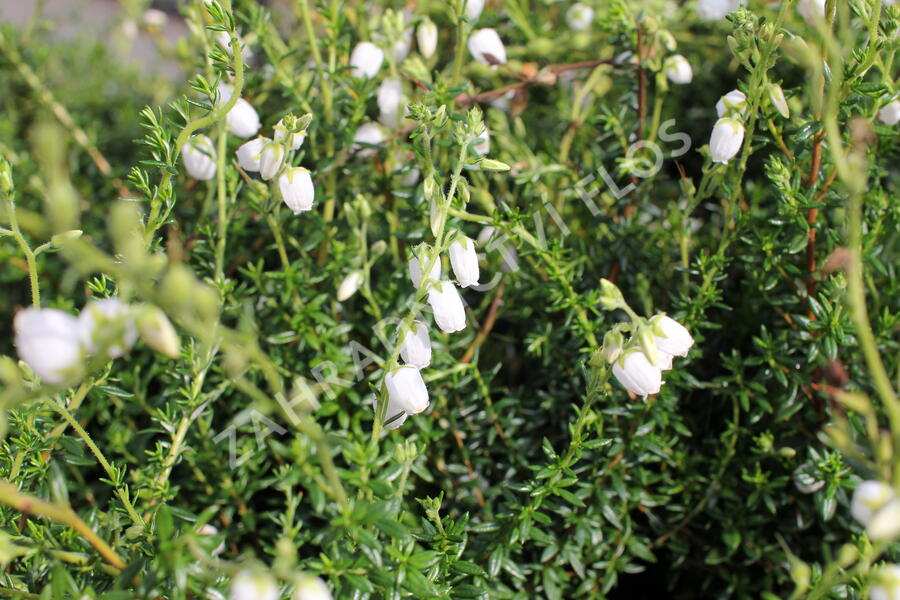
(464, 261)
(889, 114)
(395, 416)
(579, 16)
(199, 156)
(367, 135)
(350, 285)
(427, 38)
(419, 260)
(885, 583)
(868, 498)
(242, 119)
(776, 97)
(254, 585)
(415, 348)
(48, 341)
(487, 47)
(447, 305)
(250, 153)
(636, 374)
(406, 390)
(297, 190)
(678, 70)
(311, 588)
(732, 104)
(157, 332)
(727, 137)
(281, 134)
(812, 10)
(670, 336)
(390, 99)
(885, 523)
(366, 60)
(107, 324)
(270, 160)
(474, 8)
(400, 49)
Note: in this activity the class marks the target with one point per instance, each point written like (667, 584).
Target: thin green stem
(26, 250)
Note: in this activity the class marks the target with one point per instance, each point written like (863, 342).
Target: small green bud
(7, 186)
(489, 164)
(157, 332)
(59, 240)
(613, 342)
(847, 555)
(648, 344)
(800, 574)
(611, 297)
(378, 248)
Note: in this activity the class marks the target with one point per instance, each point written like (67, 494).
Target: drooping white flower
(48, 341)
(400, 48)
(254, 585)
(107, 323)
(270, 160)
(427, 38)
(713, 10)
(311, 588)
(474, 9)
(242, 119)
(350, 285)
(281, 134)
(482, 143)
(678, 70)
(406, 389)
(776, 97)
(636, 374)
(366, 60)
(885, 583)
(812, 10)
(418, 261)
(297, 190)
(464, 261)
(415, 348)
(487, 47)
(885, 523)
(250, 153)
(199, 156)
(369, 134)
(449, 312)
(868, 498)
(732, 104)
(890, 112)
(579, 16)
(157, 332)
(670, 336)
(394, 416)
(390, 98)
(727, 137)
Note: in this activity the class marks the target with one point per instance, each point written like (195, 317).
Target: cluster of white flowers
(407, 394)
(262, 155)
(56, 345)
(639, 363)
(877, 508)
(259, 585)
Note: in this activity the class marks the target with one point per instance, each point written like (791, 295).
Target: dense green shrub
(533, 473)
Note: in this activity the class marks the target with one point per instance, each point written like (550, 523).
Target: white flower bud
(776, 97)
(885, 523)
(732, 104)
(270, 160)
(670, 336)
(868, 498)
(890, 113)
(727, 137)
(242, 119)
(366, 60)
(157, 332)
(812, 10)
(254, 585)
(406, 390)
(464, 261)
(474, 9)
(311, 588)
(369, 134)
(483, 142)
(297, 190)
(420, 259)
(107, 324)
(199, 156)
(350, 285)
(427, 38)
(885, 583)
(678, 70)
(281, 134)
(636, 374)
(390, 98)
(449, 312)
(580, 16)
(713, 10)
(249, 154)
(48, 341)
(401, 47)
(487, 47)
(415, 348)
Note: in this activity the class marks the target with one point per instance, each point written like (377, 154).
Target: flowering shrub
(520, 299)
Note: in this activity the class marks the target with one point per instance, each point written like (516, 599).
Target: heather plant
(510, 299)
